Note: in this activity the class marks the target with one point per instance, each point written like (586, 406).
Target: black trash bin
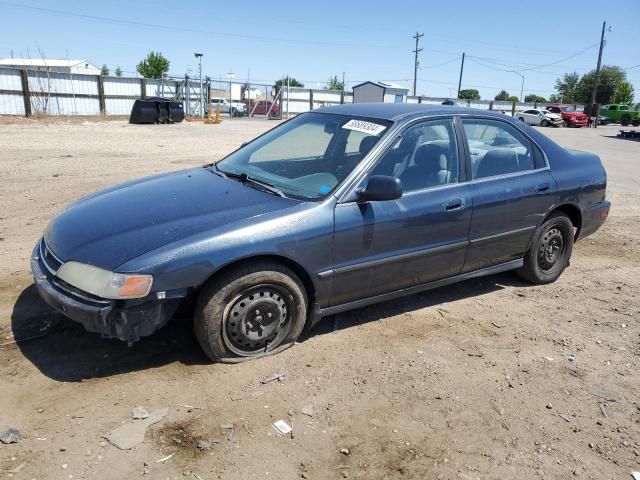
(156, 110)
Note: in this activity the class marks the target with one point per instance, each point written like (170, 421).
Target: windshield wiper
(217, 171)
(247, 180)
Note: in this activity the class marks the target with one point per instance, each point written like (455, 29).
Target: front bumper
(576, 122)
(593, 218)
(127, 320)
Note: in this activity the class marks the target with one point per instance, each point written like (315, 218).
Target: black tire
(545, 123)
(635, 123)
(228, 321)
(521, 119)
(625, 121)
(550, 251)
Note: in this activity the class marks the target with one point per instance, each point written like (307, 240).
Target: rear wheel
(250, 311)
(550, 251)
(636, 123)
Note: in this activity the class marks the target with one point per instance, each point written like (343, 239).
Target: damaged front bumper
(127, 320)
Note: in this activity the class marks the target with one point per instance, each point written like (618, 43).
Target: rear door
(385, 246)
(512, 190)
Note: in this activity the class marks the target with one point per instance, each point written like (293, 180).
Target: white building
(386, 92)
(75, 67)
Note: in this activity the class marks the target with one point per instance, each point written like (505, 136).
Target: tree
(154, 66)
(104, 71)
(334, 84)
(513, 98)
(567, 87)
(555, 98)
(503, 95)
(118, 72)
(624, 93)
(533, 98)
(611, 77)
(292, 82)
(469, 94)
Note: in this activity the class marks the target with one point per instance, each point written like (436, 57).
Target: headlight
(103, 283)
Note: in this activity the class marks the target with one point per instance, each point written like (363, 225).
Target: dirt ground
(470, 381)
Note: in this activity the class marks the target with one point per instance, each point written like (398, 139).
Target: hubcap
(551, 249)
(257, 320)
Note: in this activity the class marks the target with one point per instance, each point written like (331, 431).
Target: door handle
(543, 187)
(455, 204)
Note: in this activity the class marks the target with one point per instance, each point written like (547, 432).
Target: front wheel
(250, 311)
(545, 123)
(624, 122)
(550, 251)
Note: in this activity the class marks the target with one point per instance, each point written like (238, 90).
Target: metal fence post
(143, 88)
(420, 99)
(310, 99)
(513, 109)
(26, 94)
(491, 105)
(103, 107)
(342, 97)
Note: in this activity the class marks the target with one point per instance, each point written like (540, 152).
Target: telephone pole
(417, 36)
(597, 79)
(461, 70)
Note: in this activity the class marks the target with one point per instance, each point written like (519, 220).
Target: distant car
(262, 107)
(622, 114)
(455, 103)
(237, 109)
(333, 210)
(544, 118)
(570, 116)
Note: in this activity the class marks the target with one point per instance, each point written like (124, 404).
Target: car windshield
(308, 156)
(568, 109)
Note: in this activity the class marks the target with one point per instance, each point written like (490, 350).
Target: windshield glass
(308, 156)
(568, 109)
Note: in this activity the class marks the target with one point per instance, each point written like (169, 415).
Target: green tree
(624, 93)
(555, 98)
(118, 72)
(502, 95)
(611, 77)
(292, 82)
(533, 98)
(334, 84)
(154, 66)
(104, 71)
(567, 87)
(513, 98)
(469, 94)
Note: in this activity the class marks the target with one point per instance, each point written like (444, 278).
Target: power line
(116, 21)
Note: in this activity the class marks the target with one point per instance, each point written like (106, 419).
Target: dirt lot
(465, 382)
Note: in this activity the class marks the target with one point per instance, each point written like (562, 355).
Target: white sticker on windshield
(364, 127)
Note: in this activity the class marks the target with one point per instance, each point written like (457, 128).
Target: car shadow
(64, 351)
(633, 139)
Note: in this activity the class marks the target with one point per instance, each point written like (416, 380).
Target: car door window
(424, 156)
(497, 148)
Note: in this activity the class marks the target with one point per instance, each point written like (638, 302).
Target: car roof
(400, 111)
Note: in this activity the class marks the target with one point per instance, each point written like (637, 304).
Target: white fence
(29, 92)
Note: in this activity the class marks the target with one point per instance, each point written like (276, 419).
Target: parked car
(570, 116)
(622, 114)
(262, 107)
(332, 210)
(237, 109)
(544, 118)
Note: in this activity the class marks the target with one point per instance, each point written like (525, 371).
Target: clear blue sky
(312, 41)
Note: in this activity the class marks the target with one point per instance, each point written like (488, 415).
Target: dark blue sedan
(333, 210)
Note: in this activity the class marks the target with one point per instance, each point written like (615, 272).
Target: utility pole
(199, 57)
(417, 36)
(461, 70)
(597, 79)
(343, 82)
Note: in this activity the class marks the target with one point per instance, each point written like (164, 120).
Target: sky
(312, 41)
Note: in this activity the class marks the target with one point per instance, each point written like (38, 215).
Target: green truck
(622, 114)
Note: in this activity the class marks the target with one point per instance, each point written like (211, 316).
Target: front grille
(49, 260)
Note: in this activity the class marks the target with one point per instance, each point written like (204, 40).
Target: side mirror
(380, 188)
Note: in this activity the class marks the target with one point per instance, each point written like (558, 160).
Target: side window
(624, 107)
(497, 148)
(424, 156)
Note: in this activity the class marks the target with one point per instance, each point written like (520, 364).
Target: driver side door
(383, 246)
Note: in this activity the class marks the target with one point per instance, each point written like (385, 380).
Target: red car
(570, 116)
(261, 107)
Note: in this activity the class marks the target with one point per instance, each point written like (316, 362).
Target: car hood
(574, 114)
(112, 226)
(552, 115)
